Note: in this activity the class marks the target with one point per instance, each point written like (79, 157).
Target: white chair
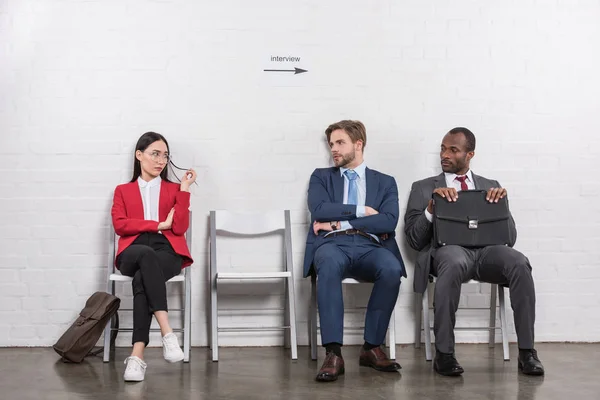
(184, 277)
(252, 225)
(491, 328)
(314, 326)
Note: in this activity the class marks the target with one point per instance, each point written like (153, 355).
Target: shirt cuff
(361, 211)
(344, 225)
(428, 215)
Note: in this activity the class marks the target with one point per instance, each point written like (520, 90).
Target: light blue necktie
(352, 186)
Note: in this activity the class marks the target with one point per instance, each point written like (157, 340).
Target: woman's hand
(166, 224)
(188, 178)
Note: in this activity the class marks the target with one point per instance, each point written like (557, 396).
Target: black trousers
(151, 261)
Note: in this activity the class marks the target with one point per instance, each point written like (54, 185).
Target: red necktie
(463, 184)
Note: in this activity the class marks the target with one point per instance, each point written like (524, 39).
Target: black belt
(353, 232)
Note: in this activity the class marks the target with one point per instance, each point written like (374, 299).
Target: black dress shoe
(529, 362)
(445, 364)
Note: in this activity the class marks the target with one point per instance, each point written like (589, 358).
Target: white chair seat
(253, 275)
(350, 280)
(123, 278)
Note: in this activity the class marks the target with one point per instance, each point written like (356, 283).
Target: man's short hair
(468, 135)
(355, 129)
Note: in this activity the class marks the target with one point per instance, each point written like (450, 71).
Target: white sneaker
(135, 370)
(171, 350)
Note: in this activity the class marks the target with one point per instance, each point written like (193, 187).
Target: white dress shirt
(451, 182)
(150, 192)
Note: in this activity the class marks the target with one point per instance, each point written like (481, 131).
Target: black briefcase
(471, 221)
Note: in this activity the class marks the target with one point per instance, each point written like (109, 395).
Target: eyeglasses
(158, 156)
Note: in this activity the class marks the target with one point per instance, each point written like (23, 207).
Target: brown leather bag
(81, 337)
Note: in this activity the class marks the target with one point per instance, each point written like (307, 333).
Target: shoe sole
(384, 369)
(328, 378)
(448, 373)
(532, 373)
(174, 360)
(132, 380)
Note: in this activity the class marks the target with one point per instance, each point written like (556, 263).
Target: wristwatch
(333, 225)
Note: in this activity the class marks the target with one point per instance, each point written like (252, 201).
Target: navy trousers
(359, 258)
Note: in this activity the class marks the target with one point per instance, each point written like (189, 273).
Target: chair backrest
(250, 225)
(113, 240)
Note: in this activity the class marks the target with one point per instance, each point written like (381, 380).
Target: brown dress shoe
(377, 359)
(332, 367)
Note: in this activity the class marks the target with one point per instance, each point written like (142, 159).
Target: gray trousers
(454, 265)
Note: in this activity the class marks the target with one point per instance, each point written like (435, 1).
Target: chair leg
(392, 335)
(110, 288)
(503, 324)
(418, 319)
(107, 332)
(426, 325)
(492, 331)
(313, 318)
(187, 319)
(214, 320)
(286, 314)
(292, 317)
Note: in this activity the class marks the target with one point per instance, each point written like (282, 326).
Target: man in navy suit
(354, 211)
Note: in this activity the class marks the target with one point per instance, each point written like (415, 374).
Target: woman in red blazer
(151, 215)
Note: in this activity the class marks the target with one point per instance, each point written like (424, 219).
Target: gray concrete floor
(572, 373)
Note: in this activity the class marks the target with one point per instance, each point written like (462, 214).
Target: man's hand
(449, 194)
(166, 224)
(323, 226)
(430, 206)
(370, 211)
(495, 194)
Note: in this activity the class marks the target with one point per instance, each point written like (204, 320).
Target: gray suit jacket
(419, 231)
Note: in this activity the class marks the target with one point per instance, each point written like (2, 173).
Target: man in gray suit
(454, 265)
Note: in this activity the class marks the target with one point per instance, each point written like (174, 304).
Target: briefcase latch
(473, 224)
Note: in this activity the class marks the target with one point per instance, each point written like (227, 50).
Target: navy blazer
(325, 202)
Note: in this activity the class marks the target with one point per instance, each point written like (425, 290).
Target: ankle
(166, 332)
(335, 348)
(368, 346)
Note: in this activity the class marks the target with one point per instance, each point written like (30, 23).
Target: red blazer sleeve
(125, 226)
(181, 218)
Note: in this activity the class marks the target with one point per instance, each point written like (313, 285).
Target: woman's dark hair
(142, 144)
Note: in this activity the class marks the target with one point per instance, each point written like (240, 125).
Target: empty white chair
(184, 277)
(491, 328)
(248, 226)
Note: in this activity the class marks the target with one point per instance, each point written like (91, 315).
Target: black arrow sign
(295, 70)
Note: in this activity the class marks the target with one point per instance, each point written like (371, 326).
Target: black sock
(525, 350)
(368, 346)
(335, 348)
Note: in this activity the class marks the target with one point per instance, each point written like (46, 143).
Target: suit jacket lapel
(372, 185)
(136, 207)
(338, 185)
(476, 181)
(440, 181)
(163, 195)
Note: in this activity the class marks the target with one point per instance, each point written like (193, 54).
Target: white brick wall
(80, 81)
